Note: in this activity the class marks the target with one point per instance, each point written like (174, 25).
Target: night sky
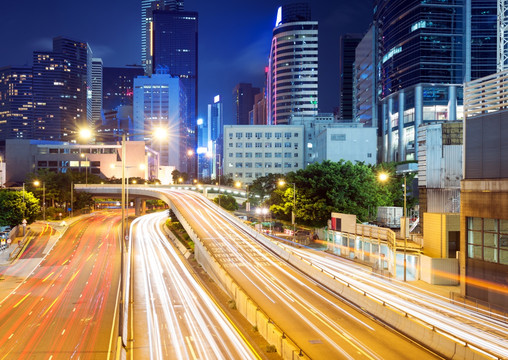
(234, 37)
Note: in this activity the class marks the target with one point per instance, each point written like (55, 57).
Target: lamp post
(384, 177)
(86, 168)
(85, 134)
(38, 183)
(293, 210)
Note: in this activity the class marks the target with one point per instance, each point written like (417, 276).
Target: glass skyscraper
(427, 50)
(175, 50)
(293, 65)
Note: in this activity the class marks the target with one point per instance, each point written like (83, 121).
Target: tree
(227, 201)
(327, 187)
(14, 207)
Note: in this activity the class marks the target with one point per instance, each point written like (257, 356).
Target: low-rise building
(30, 156)
(253, 151)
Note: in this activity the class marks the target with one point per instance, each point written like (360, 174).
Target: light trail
(177, 304)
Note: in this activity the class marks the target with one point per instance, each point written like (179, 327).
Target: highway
(313, 318)
(66, 308)
(172, 316)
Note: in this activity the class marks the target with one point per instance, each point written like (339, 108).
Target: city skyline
(237, 51)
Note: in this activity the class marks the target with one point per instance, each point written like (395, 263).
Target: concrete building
(30, 156)
(258, 114)
(160, 101)
(484, 192)
(292, 79)
(253, 151)
(348, 142)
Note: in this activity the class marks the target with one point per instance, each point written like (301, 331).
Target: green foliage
(263, 187)
(14, 207)
(177, 175)
(327, 187)
(227, 201)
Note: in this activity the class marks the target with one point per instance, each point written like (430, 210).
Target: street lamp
(383, 177)
(293, 210)
(37, 183)
(158, 133)
(218, 174)
(86, 167)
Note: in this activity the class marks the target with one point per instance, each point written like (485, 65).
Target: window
(268, 165)
(278, 165)
(278, 135)
(248, 145)
(278, 154)
(248, 154)
(268, 145)
(53, 151)
(248, 165)
(42, 163)
(239, 144)
(239, 155)
(230, 136)
(287, 144)
(248, 175)
(268, 135)
(230, 164)
(239, 135)
(259, 145)
(295, 146)
(287, 135)
(338, 137)
(259, 135)
(95, 163)
(296, 165)
(278, 145)
(52, 163)
(239, 165)
(295, 155)
(258, 155)
(287, 155)
(295, 135)
(230, 145)
(287, 165)
(258, 174)
(230, 154)
(487, 240)
(248, 135)
(258, 165)
(268, 155)
(369, 155)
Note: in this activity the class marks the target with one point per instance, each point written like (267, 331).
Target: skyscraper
(175, 49)
(96, 92)
(427, 51)
(118, 85)
(147, 7)
(159, 101)
(347, 49)
(215, 135)
(292, 86)
(16, 102)
(60, 89)
(243, 101)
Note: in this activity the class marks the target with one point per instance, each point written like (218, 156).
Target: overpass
(139, 193)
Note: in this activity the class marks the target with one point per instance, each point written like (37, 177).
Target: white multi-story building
(95, 89)
(253, 151)
(293, 65)
(347, 141)
(159, 101)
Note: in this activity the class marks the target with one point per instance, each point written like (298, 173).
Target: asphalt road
(65, 309)
(319, 323)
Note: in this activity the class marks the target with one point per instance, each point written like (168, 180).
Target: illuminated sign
(199, 121)
(279, 17)
(216, 99)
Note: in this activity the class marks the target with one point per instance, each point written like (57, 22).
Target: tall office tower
(426, 53)
(16, 102)
(483, 44)
(175, 48)
(96, 92)
(347, 49)
(147, 7)
(60, 89)
(243, 101)
(365, 80)
(215, 134)
(118, 85)
(292, 80)
(159, 101)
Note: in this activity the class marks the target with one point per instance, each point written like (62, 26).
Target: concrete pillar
(402, 143)
(418, 114)
(137, 206)
(452, 103)
(143, 206)
(389, 130)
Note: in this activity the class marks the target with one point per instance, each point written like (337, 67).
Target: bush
(227, 202)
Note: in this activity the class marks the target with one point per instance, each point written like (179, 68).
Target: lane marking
(19, 302)
(46, 278)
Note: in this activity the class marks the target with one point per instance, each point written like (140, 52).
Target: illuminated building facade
(16, 102)
(243, 102)
(60, 89)
(118, 85)
(426, 51)
(95, 91)
(160, 101)
(347, 53)
(175, 50)
(292, 79)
